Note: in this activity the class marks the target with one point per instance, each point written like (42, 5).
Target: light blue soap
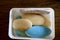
(38, 31)
(18, 17)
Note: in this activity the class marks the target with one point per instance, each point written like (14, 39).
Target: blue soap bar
(20, 33)
(18, 17)
(38, 31)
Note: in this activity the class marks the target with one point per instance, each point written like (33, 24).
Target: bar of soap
(38, 32)
(20, 33)
(35, 19)
(18, 17)
(22, 24)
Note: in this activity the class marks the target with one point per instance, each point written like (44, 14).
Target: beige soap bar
(34, 18)
(22, 24)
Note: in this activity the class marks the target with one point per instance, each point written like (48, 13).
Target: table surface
(6, 5)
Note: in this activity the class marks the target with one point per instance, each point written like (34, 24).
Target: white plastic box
(48, 12)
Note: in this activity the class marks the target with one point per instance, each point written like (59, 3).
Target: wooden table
(6, 5)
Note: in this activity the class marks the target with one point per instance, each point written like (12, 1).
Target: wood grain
(6, 5)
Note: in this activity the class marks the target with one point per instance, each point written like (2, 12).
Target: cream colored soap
(35, 19)
(22, 24)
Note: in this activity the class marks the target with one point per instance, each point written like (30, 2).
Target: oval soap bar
(18, 17)
(35, 19)
(38, 31)
(20, 33)
(22, 24)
